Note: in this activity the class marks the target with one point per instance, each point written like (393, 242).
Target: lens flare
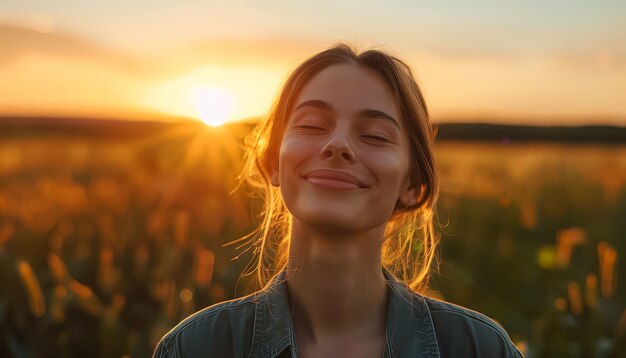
(214, 105)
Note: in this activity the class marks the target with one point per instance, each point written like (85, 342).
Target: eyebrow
(327, 107)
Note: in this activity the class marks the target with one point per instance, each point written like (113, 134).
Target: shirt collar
(409, 326)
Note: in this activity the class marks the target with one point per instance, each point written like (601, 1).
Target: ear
(274, 174)
(275, 181)
(409, 194)
(408, 197)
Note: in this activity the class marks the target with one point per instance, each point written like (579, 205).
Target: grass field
(107, 239)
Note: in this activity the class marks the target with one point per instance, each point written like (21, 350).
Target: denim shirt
(259, 325)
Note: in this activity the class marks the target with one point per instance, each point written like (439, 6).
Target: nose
(337, 147)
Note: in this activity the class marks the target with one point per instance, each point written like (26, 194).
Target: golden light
(214, 105)
(251, 89)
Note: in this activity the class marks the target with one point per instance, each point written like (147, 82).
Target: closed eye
(377, 138)
(310, 127)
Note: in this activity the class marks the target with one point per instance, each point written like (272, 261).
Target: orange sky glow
(48, 68)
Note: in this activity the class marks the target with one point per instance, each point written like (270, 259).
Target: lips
(334, 177)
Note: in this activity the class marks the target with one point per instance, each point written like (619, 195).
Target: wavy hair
(409, 246)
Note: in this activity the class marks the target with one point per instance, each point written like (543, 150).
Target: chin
(323, 216)
(336, 222)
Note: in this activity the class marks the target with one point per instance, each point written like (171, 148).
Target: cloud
(40, 22)
(21, 41)
(597, 60)
(157, 64)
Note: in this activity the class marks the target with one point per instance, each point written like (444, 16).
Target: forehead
(348, 88)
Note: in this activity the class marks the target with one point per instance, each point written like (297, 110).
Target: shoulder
(462, 331)
(223, 329)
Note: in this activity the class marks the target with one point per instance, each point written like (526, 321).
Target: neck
(336, 284)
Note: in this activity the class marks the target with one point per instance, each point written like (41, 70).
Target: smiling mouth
(332, 184)
(334, 180)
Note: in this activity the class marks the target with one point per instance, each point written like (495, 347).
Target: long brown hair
(408, 250)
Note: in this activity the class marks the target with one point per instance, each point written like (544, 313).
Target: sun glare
(214, 105)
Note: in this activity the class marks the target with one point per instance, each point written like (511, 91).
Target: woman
(345, 159)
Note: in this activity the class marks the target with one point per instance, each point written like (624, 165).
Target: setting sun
(214, 105)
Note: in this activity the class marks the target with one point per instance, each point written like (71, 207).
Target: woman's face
(344, 157)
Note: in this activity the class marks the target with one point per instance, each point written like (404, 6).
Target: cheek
(294, 151)
(390, 167)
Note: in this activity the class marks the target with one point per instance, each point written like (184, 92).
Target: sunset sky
(535, 62)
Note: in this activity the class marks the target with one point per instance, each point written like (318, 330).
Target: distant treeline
(87, 127)
(122, 129)
(517, 133)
